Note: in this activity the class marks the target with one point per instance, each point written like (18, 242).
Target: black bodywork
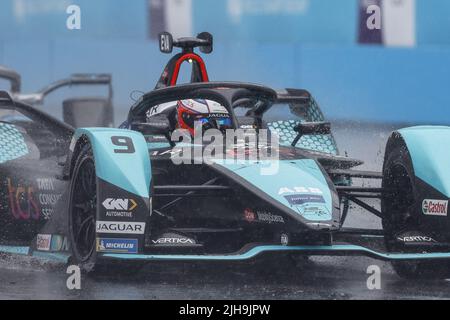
(30, 182)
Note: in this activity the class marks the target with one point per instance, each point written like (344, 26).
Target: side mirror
(156, 125)
(311, 128)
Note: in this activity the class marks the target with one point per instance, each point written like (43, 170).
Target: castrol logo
(435, 207)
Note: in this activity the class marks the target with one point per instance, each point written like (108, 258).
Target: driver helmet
(211, 115)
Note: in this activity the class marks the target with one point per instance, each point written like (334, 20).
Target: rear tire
(398, 216)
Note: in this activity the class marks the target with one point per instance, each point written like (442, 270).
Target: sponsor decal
(435, 207)
(218, 115)
(156, 138)
(302, 190)
(308, 201)
(122, 208)
(47, 213)
(48, 198)
(45, 184)
(171, 152)
(119, 214)
(43, 242)
(300, 199)
(59, 243)
(117, 245)
(409, 239)
(249, 215)
(269, 217)
(120, 227)
(174, 241)
(262, 216)
(119, 204)
(22, 202)
(317, 211)
(284, 239)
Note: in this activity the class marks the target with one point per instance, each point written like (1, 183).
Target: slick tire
(396, 204)
(82, 211)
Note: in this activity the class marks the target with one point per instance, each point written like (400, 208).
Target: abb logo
(119, 204)
(435, 207)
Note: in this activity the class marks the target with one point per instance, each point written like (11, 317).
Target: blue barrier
(361, 82)
(313, 48)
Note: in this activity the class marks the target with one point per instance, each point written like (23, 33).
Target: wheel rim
(84, 208)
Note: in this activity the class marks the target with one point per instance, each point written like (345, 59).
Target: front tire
(83, 211)
(397, 206)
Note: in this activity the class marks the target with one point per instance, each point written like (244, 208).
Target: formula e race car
(78, 112)
(149, 191)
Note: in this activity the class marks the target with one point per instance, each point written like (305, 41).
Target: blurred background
(398, 73)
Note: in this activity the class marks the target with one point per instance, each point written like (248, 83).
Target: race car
(150, 191)
(77, 112)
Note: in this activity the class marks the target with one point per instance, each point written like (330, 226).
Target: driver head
(210, 114)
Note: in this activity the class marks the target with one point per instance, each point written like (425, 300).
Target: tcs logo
(22, 202)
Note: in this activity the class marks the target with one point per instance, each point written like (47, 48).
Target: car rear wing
(13, 77)
(74, 80)
(292, 95)
(301, 103)
(80, 79)
(8, 102)
(5, 97)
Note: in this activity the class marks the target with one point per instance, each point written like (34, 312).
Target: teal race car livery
(105, 196)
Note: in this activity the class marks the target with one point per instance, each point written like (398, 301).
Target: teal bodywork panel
(317, 250)
(297, 184)
(26, 251)
(429, 147)
(19, 250)
(129, 171)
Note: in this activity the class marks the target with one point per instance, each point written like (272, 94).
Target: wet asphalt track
(316, 278)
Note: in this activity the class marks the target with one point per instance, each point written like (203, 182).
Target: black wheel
(82, 221)
(398, 215)
(82, 211)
